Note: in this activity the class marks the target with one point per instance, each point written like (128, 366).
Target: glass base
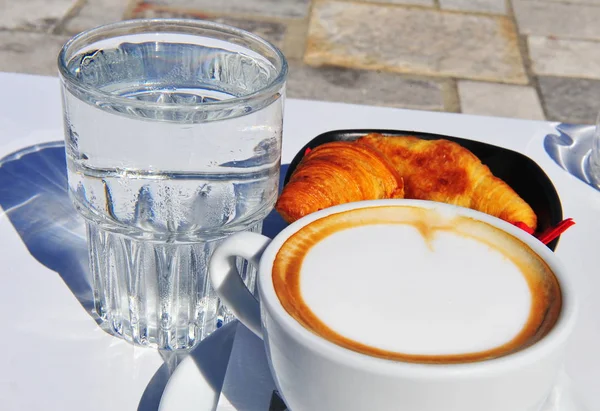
(157, 294)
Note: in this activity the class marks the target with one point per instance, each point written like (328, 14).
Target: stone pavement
(532, 59)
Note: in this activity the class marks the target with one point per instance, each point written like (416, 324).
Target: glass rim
(263, 93)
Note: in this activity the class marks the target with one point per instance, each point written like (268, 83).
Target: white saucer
(197, 381)
(232, 360)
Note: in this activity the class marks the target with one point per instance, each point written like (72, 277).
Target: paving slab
(483, 6)
(567, 20)
(592, 2)
(570, 100)
(363, 87)
(501, 100)
(422, 41)
(269, 30)
(96, 13)
(33, 15)
(278, 8)
(427, 3)
(31, 53)
(561, 57)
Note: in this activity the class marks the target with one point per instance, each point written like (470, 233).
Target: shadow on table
(210, 358)
(570, 148)
(33, 194)
(34, 197)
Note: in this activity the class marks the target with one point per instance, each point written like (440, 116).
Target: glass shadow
(570, 148)
(35, 199)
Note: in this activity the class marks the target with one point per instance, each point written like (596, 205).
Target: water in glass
(161, 176)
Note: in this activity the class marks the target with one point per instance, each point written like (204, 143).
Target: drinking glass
(173, 142)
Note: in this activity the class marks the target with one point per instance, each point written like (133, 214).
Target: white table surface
(56, 357)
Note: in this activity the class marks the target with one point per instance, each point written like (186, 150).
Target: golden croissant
(337, 173)
(440, 170)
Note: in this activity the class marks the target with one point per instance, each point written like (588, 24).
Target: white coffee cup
(314, 374)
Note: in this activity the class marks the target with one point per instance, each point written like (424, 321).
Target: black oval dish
(518, 171)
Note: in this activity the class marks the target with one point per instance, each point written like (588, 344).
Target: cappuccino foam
(412, 284)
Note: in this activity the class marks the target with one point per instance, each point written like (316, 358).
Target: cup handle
(226, 279)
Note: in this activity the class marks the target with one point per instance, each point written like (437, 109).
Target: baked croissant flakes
(444, 171)
(337, 173)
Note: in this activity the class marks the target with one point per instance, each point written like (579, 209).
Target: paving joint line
(73, 12)
(527, 62)
(451, 97)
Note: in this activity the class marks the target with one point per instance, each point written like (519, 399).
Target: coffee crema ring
(432, 228)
